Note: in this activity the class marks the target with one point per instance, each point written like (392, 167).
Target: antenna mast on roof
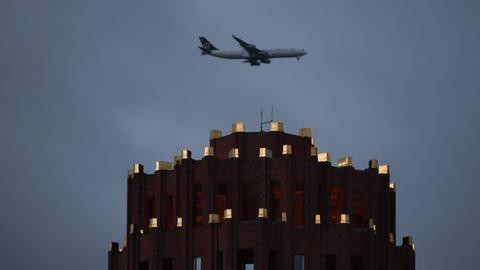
(266, 122)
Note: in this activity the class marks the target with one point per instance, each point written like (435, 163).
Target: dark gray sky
(88, 87)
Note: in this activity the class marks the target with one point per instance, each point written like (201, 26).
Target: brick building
(261, 200)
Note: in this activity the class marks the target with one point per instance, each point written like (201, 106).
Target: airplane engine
(265, 61)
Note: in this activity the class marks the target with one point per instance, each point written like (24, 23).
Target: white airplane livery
(250, 53)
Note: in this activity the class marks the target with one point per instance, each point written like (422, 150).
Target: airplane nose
(304, 52)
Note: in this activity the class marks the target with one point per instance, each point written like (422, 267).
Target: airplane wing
(250, 48)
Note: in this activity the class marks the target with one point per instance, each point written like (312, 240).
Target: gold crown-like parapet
(384, 169)
(137, 168)
(373, 164)
(262, 213)
(227, 213)
(112, 246)
(186, 154)
(208, 152)
(313, 151)
(323, 157)
(265, 152)
(345, 162)
(213, 218)
(177, 160)
(153, 223)
(391, 237)
(284, 216)
(344, 219)
(305, 132)
(286, 149)
(163, 166)
(318, 219)
(233, 153)
(215, 134)
(392, 185)
(276, 127)
(238, 127)
(131, 228)
(407, 241)
(179, 222)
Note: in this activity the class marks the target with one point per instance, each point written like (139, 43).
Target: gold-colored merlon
(318, 219)
(284, 216)
(344, 219)
(374, 228)
(262, 213)
(233, 153)
(238, 127)
(413, 247)
(345, 162)
(215, 134)
(373, 164)
(323, 157)
(208, 152)
(408, 240)
(371, 222)
(392, 185)
(110, 246)
(286, 149)
(227, 213)
(384, 169)
(186, 154)
(305, 132)
(213, 218)
(131, 228)
(141, 231)
(276, 127)
(137, 168)
(313, 151)
(391, 237)
(177, 160)
(312, 141)
(163, 166)
(125, 242)
(265, 152)
(130, 173)
(179, 222)
(153, 223)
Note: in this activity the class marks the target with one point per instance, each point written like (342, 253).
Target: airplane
(250, 53)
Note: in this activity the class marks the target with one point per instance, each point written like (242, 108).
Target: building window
(299, 262)
(357, 263)
(249, 201)
(167, 264)
(331, 262)
(221, 200)
(143, 265)
(335, 205)
(272, 260)
(168, 212)
(275, 196)
(298, 204)
(246, 259)
(220, 260)
(197, 206)
(197, 263)
(148, 210)
(359, 208)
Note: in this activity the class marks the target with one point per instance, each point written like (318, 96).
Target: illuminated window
(298, 204)
(335, 205)
(275, 196)
(197, 209)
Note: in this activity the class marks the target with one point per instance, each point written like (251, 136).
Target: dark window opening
(331, 262)
(220, 260)
(143, 265)
(246, 259)
(272, 260)
(168, 212)
(298, 205)
(221, 200)
(335, 205)
(197, 205)
(148, 210)
(359, 209)
(249, 201)
(167, 264)
(275, 196)
(357, 263)
(319, 199)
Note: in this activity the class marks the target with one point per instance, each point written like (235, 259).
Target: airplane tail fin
(206, 47)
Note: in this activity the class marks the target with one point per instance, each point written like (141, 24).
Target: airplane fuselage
(265, 54)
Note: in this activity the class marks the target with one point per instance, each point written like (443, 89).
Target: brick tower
(263, 201)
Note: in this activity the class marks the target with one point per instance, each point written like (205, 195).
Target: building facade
(263, 201)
